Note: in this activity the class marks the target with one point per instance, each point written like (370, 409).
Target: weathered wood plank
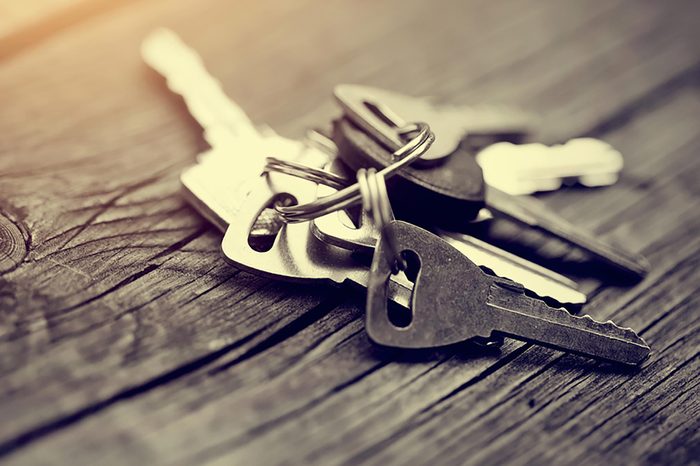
(13, 244)
(107, 305)
(326, 395)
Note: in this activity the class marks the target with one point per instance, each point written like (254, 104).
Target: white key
(227, 128)
(380, 112)
(542, 281)
(529, 168)
(296, 255)
(213, 189)
(238, 149)
(184, 71)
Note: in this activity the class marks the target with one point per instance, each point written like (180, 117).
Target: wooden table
(125, 338)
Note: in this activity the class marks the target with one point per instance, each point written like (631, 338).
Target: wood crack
(428, 412)
(126, 281)
(266, 426)
(109, 204)
(294, 327)
(647, 390)
(631, 433)
(211, 288)
(50, 427)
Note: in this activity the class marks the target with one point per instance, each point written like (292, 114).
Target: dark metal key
(450, 194)
(454, 301)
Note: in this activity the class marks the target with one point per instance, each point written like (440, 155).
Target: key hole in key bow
(388, 117)
(269, 223)
(384, 114)
(398, 315)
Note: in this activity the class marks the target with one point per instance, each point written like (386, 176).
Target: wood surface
(125, 338)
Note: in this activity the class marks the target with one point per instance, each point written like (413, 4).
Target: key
(184, 71)
(380, 112)
(296, 255)
(455, 193)
(530, 168)
(338, 229)
(225, 124)
(454, 301)
(224, 185)
(227, 128)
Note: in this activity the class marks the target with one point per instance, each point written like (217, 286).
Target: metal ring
(307, 173)
(350, 195)
(363, 185)
(375, 201)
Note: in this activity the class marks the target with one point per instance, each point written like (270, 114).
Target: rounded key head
(380, 112)
(295, 255)
(356, 233)
(449, 194)
(448, 296)
(339, 229)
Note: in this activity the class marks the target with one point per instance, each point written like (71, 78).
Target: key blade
(536, 215)
(529, 168)
(518, 316)
(380, 112)
(337, 229)
(540, 280)
(497, 121)
(186, 75)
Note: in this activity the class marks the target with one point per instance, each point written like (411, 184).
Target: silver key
(227, 128)
(450, 124)
(453, 301)
(238, 148)
(456, 182)
(295, 255)
(227, 186)
(339, 230)
(530, 168)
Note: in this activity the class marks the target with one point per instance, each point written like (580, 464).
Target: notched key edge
(501, 296)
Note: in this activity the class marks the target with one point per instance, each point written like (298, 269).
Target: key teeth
(562, 315)
(623, 332)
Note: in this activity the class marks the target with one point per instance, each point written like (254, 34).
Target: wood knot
(13, 248)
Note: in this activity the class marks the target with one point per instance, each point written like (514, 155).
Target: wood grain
(126, 339)
(13, 244)
(358, 404)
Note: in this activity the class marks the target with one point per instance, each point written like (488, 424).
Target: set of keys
(325, 205)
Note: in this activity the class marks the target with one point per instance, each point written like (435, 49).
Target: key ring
(305, 172)
(350, 195)
(375, 201)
